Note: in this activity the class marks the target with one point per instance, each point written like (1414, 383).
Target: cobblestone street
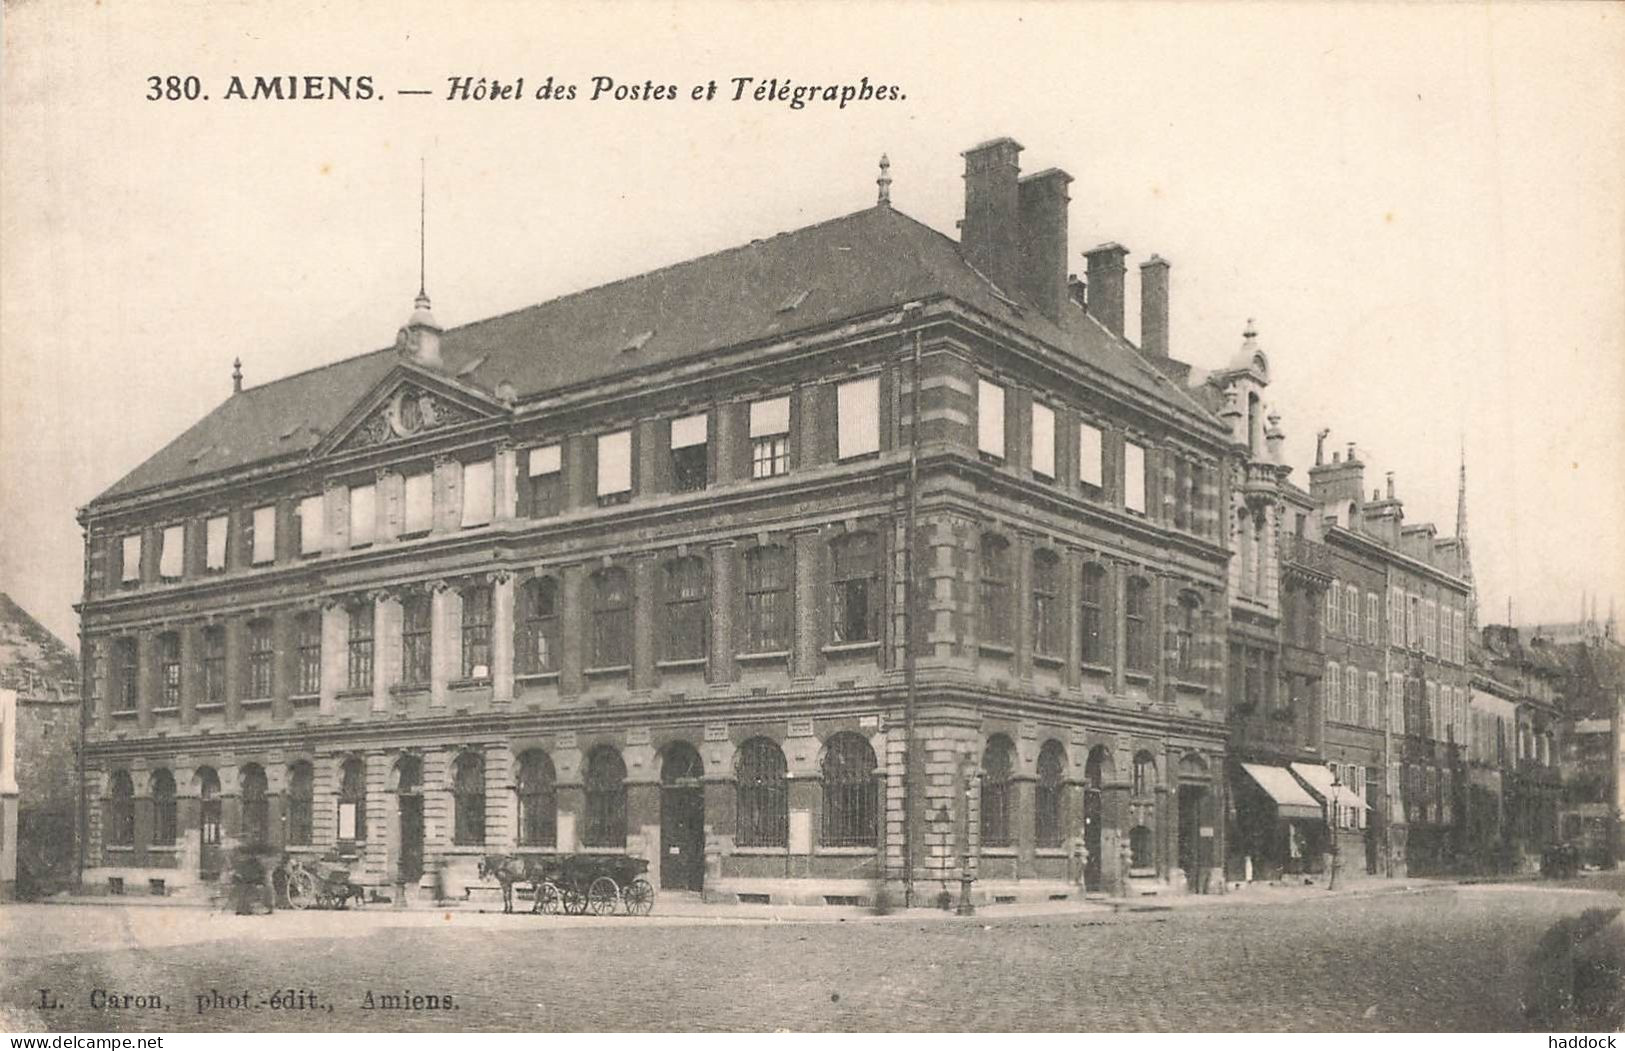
(1443, 959)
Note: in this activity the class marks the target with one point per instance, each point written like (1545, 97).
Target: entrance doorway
(209, 863)
(1195, 847)
(682, 819)
(409, 805)
(1095, 772)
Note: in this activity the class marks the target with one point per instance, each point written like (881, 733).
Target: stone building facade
(629, 572)
(1402, 617)
(39, 749)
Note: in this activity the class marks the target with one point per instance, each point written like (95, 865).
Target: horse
(507, 870)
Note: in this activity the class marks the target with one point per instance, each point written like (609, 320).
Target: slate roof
(33, 660)
(860, 264)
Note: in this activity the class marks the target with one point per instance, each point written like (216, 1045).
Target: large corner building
(629, 571)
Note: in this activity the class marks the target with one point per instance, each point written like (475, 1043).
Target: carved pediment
(408, 412)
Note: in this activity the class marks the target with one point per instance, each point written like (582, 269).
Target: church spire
(1461, 496)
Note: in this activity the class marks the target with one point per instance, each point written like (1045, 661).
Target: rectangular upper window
(264, 536)
(477, 497)
(1090, 453)
(770, 438)
(857, 418)
(311, 533)
(770, 417)
(689, 457)
(614, 463)
(363, 515)
(1043, 440)
(419, 500)
(131, 566)
(172, 552)
(990, 418)
(544, 465)
(214, 543)
(1134, 477)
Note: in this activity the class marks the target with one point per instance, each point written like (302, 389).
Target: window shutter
(614, 463)
(214, 543)
(172, 552)
(363, 514)
(1090, 451)
(1043, 440)
(768, 418)
(857, 417)
(311, 534)
(990, 418)
(1133, 477)
(685, 432)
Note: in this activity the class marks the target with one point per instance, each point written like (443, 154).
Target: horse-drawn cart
(325, 884)
(595, 883)
(574, 884)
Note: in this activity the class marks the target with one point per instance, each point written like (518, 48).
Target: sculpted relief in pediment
(410, 411)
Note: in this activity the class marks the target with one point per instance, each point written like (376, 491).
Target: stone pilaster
(723, 567)
(441, 646)
(335, 653)
(386, 648)
(502, 633)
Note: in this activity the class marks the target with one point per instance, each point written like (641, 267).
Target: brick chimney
(1042, 199)
(1339, 488)
(990, 233)
(1105, 279)
(1154, 306)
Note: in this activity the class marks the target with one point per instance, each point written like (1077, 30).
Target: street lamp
(1337, 786)
(966, 908)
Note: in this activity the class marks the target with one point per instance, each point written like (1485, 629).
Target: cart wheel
(602, 895)
(575, 902)
(639, 897)
(324, 900)
(548, 899)
(301, 890)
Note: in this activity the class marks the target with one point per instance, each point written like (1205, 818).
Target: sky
(1422, 206)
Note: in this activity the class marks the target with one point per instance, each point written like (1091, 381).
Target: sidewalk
(1278, 894)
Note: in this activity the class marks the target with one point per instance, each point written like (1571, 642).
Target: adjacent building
(39, 749)
(854, 558)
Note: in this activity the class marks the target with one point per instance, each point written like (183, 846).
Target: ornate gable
(404, 407)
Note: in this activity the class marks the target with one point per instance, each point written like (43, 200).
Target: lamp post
(966, 908)
(1337, 786)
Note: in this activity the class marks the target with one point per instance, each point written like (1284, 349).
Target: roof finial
(1251, 331)
(237, 376)
(423, 215)
(884, 182)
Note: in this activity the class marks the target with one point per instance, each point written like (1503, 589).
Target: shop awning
(1290, 798)
(1319, 780)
